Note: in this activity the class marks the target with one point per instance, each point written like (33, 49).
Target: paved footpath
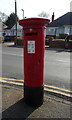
(13, 106)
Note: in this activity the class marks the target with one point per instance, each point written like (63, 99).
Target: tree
(43, 14)
(11, 20)
(3, 16)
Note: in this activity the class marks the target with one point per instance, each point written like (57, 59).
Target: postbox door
(34, 45)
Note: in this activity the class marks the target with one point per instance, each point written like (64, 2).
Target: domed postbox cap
(34, 22)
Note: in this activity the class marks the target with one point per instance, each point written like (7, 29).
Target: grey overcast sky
(33, 7)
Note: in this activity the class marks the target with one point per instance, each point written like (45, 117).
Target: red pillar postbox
(34, 45)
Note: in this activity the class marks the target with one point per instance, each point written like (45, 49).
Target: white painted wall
(67, 30)
(0, 26)
(19, 30)
(59, 30)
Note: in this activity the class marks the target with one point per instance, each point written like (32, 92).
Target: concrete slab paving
(13, 106)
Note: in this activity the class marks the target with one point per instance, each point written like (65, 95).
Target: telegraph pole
(16, 21)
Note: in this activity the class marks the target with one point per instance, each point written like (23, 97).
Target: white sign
(31, 46)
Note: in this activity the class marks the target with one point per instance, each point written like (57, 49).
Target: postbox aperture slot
(32, 33)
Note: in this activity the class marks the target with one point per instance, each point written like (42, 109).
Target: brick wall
(60, 44)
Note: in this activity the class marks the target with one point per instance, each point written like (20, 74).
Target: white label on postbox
(31, 46)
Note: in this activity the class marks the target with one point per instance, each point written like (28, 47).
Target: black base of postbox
(34, 95)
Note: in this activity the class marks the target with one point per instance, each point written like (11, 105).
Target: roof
(2, 26)
(66, 19)
(9, 27)
(19, 27)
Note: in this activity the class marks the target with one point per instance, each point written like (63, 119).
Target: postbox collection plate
(31, 47)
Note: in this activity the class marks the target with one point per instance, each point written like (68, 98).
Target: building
(19, 30)
(2, 27)
(62, 25)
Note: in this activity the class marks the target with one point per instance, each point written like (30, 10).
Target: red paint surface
(34, 62)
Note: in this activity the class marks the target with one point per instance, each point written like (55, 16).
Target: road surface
(57, 66)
